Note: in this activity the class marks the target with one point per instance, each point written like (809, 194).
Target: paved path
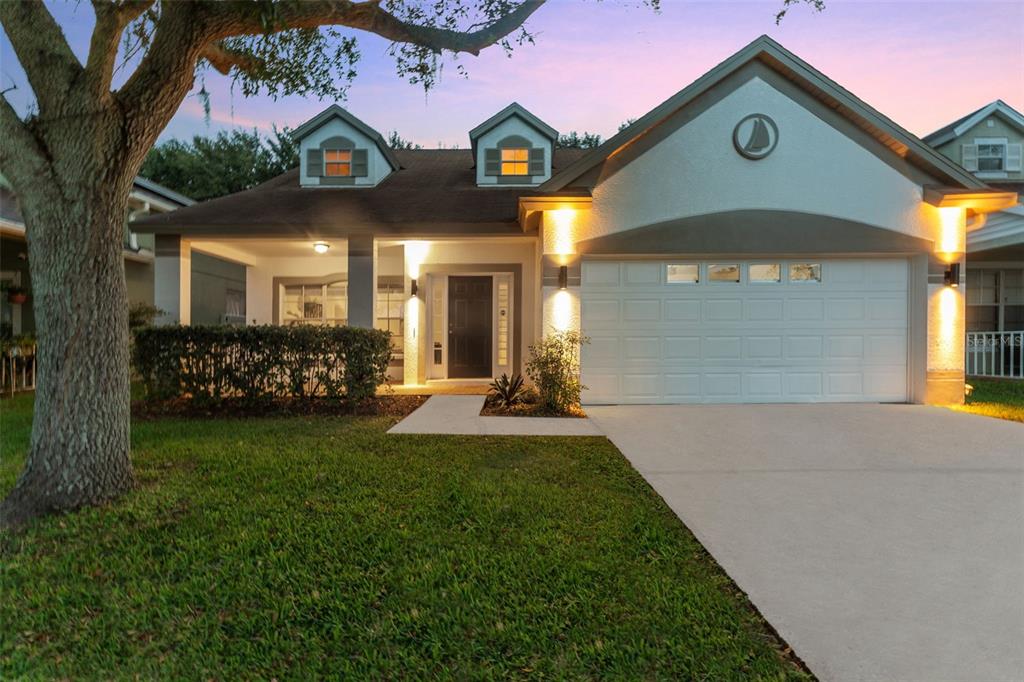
(883, 542)
(460, 414)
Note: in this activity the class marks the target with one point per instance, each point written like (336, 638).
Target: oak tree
(73, 159)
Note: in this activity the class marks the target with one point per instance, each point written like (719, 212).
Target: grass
(318, 546)
(995, 398)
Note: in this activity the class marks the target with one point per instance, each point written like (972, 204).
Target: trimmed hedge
(209, 364)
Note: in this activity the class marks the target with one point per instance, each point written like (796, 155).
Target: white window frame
(765, 282)
(322, 320)
(991, 141)
(680, 282)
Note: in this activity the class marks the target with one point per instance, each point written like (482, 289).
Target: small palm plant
(507, 391)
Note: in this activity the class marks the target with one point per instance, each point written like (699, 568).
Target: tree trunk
(79, 453)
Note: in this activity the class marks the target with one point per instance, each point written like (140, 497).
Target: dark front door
(469, 327)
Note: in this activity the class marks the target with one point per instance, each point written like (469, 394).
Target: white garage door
(745, 331)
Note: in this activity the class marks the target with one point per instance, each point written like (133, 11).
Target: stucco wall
(815, 169)
(211, 279)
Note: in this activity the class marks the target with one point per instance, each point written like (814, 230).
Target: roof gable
(770, 53)
(962, 125)
(514, 109)
(336, 112)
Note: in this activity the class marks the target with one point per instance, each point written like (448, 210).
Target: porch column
(361, 285)
(172, 279)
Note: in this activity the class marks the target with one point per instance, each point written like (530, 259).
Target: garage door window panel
(805, 272)
(726, 273)
(764, 273)
(682, 273)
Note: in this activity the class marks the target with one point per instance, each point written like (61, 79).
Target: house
(988, 143)
(147, 197)
(761, 236)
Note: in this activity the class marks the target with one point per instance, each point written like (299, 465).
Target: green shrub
(211, 363)
(141, 314)
(554, 367)
(507, 391)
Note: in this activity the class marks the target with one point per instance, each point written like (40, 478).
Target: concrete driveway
(883, 542)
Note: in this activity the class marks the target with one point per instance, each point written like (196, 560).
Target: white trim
(982, 114)
(440, 372)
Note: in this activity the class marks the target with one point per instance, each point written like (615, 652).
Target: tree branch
(111, 18)
(21, 155)
(42, 51)
(238, 19)
(223, 59)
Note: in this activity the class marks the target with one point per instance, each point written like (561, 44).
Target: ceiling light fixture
(321, 247)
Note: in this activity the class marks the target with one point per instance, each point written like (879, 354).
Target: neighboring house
(220, 285)
(761, 236)
(988, 142)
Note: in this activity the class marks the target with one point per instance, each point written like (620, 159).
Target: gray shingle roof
(434, 192)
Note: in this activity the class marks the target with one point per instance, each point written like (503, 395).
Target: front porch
(460, 311)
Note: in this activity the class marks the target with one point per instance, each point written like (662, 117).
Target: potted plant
(17, 295)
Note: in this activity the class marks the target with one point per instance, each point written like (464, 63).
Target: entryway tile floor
(460, 415)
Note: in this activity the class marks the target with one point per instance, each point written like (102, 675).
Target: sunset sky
(596, 64)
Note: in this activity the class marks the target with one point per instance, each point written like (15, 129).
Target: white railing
(995, 354)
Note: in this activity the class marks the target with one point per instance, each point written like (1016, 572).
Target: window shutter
(537, 161)
(1013, 156)
(492, 162)
(360, 165)
(969, 156)
(314, 163)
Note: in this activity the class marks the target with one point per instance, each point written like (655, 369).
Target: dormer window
(991, 157)
(515, 161)
(338, 163)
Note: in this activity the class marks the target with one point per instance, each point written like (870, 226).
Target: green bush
(260, 363)
(141, 314)
(554, 367)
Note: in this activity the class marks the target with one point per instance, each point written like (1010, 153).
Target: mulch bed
(380, 406)
(529, 410)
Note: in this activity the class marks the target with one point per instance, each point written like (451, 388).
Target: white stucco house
(761, 236)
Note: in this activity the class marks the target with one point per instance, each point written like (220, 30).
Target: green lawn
(303, 547)
(994, 398)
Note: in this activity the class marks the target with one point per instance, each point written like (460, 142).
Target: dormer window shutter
(969, 156)
(360, 163)
(314, 163)
(1013, 156)
(492, 162)
(537, 161)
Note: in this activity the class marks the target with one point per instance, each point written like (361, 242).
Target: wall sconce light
(563, 277)
(413, 288)
(321, 247)
(952, 276)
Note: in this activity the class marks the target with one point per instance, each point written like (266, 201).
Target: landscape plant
(554, 367)
(209, 365)
(507, 391)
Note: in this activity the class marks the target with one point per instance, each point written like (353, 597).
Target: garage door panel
(723, 310)
(640, 274)
(682, 310)
(641, 310)
(843, 338)
(764, 310)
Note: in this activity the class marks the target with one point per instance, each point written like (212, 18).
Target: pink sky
(596, 64)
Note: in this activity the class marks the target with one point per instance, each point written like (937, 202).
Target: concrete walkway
(883, 542)
(460, 414)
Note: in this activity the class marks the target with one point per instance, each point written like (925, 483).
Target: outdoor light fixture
(413, 288)
(321, 247)
(952, 277)
(563, 277)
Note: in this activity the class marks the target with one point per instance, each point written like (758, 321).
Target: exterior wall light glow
(321, 247)
(563, 277)
(952, 275)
